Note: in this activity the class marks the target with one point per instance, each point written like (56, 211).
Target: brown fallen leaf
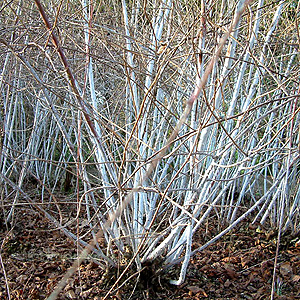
(194, 289)
(296, 278)
(197, 290)
(22, 278)
(266, 270)
(118, 295)
(232, 259)
(203, 293)
(85, 294)
(71, 294)
(286, 269)
(230, 272)
(245, 260)
(227, 283)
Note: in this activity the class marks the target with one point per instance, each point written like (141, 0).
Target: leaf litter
(238, 266)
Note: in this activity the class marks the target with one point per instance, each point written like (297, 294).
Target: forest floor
(35, 256)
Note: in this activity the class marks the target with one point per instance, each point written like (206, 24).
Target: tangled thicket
(153, 116)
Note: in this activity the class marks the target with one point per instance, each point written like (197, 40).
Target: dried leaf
(286, 269)
(232, 259)
(85, 294)
(231, 273)
(259, 230)
(203, 293)
(70, 294)
(227, 283)
(245, 260)
(22, 278)
(118, 295)
(194, 289)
